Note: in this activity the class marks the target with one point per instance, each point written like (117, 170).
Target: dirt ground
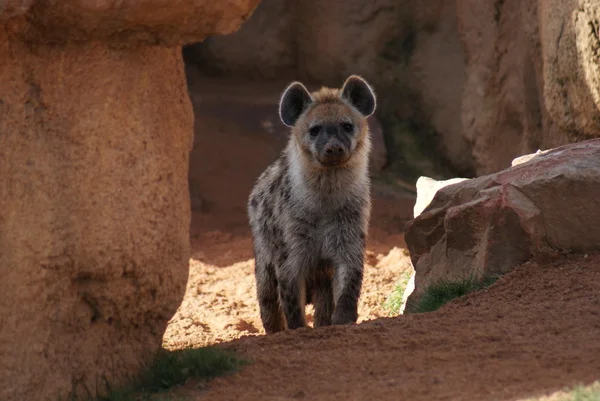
(535, 330)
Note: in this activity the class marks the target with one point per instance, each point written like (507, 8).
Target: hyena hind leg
(323, 299)
(271, 314)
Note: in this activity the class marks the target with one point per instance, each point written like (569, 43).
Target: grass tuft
(577, 393)
(444, 291)
(393, 302)
(173, 368)
(583, 393)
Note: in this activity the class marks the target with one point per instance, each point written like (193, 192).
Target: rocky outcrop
(532, 76)
(95, 131)
(478, 82)
(126, 23)
(491, 224)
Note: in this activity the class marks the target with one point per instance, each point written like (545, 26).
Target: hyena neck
(327, 186)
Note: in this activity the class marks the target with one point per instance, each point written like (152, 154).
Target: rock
(492, 80)
(127, 23)
(378, 151)
(261, 48)
(410, 287)
(489, 225)
(569, 50)
(426, 190)
(94, 204)
(526, 158)
(12, 8)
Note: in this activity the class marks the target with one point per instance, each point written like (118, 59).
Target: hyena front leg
(268, 297)
(323, 299)
(347, 282)
(291, 294)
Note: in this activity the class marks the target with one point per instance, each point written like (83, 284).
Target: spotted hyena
(309, 211)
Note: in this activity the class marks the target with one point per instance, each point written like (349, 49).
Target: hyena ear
(360, 95)
(294, 101)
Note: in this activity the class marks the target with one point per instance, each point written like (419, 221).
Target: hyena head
(330, 125)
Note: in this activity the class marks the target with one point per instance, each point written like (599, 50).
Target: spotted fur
(309, 210)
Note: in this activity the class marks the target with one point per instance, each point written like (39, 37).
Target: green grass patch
(173, 368)
(583, 393)
(444, 291)
(393, 302)
(170, 369)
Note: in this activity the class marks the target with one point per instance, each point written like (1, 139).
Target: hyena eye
(348, 127)
(314, 131)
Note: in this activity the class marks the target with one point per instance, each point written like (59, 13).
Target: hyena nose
(335, 150)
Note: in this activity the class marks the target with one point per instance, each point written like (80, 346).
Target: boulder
(126, 23)
(532, 76)
(489, 225)
(95, 131)
(426, 189)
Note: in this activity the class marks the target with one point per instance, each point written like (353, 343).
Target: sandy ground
(230, 150)
(534, 331)
(220, 302)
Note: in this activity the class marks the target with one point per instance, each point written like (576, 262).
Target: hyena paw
(344, 317)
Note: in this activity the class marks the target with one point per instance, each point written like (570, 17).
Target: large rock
(569, 37)
(129, 22)
(95, 131)
(492, 79)
(532, 76)
(426, 189)
(491, 224)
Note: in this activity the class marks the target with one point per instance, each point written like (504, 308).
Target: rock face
(95, 131)
(129, 22)
(491, 79)
(532, 76)
(491, 224)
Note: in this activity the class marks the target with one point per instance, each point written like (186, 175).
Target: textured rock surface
(569, 33)
(94, 201)
(532, 76)
(167, 22)
(426, 190)
(493, 79)
(490, 224)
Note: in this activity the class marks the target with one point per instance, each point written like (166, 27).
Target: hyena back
(309, 210)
